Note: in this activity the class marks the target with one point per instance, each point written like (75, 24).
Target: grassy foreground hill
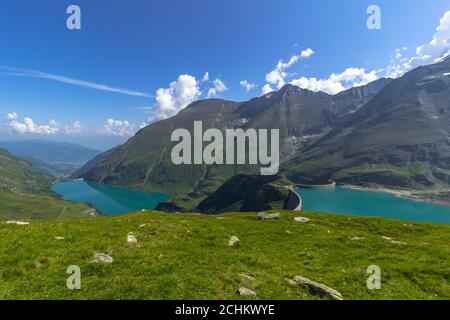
(187, 256)
(41, 207)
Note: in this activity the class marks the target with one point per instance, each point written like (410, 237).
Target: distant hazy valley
(57, 158)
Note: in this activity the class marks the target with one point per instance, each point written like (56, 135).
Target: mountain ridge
(408, 125)
(306, 120)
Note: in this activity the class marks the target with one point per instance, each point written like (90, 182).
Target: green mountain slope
(19, 176)
(244, 193)
(25, 193)
(144, 161)
(188, 257)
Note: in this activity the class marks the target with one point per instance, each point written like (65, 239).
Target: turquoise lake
(368, 203)
(107, 199)
(111, 200)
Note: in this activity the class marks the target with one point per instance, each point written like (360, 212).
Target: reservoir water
(368, 203)
(111, 200)
(107, 199)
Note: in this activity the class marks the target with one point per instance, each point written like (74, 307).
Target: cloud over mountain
(278, 75)
(247, 85)
(179, 94)
(337, 82)
(431, 52)
(219, 86)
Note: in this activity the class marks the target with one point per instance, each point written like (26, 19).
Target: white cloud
(28, 125)
(354, 74)
(314, 84)
(247, 85)
(306, 53)
(439, 46)
(11, 116)
(266, 89)
(169, 101)
(205, 77)
(337, 82)
(64, 79)
(119, 128)
(277, 76)
(73, 129)
(430, 52)
(219, 86)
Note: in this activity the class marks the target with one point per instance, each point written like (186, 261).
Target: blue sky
(126, 51)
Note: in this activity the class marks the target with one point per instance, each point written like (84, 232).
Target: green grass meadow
(14, 206)
(187, 256)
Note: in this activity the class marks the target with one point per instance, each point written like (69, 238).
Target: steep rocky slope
(399, 138)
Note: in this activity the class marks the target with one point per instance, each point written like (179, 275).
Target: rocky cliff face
(348, 102)
(401, 137)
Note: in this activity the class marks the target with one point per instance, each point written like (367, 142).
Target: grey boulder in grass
(268, 216)
(319, 288)
(103, 258)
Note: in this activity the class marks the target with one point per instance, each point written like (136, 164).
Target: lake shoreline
(401, 193)
(107, 199)
(379, 202)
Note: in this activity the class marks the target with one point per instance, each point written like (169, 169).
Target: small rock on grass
(233, 241)
(131, 238)
(103, 258)
(392, 240)
(246, 292)
(302, 219)
(19, 223)
(267, 216)
(319, 288)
